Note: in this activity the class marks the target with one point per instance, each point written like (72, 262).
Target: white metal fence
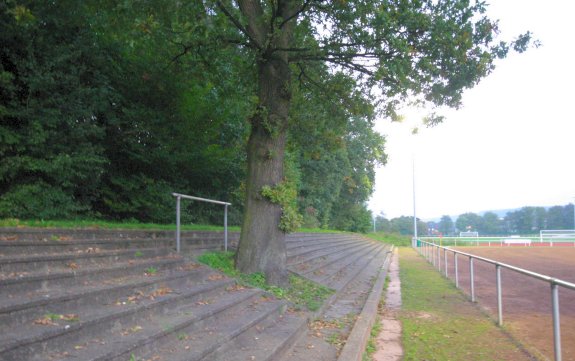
(438, 256)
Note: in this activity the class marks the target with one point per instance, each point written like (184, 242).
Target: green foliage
(468, 222)
(371, 346)
(303, 293)
(96, 122)
(151, 271)
(39, 199)
(222, 261)
(284, 194)
(446, 225)
(106, 108)
(402, 226)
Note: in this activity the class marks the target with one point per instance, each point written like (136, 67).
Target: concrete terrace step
(327, 257)
(330, 273)
(338, 316)
(212, 341)
(11, 248)
(296, 239)
(20, 310)
(41, 247)
(48, 262)
(104, 323)
(13, 286)
(310, 240)
(120, 295)
(303, 251)
(269, 340)
(157, 331)
(39, 241)
(346, 274)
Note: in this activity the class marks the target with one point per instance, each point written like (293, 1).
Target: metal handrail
(179, 196)
(435, 259)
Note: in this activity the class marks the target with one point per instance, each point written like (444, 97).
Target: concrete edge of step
(357, 340)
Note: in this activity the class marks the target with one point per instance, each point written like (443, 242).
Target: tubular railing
(178, 231)
(432, 253)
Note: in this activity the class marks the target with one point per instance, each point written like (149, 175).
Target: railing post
(499, 301)
(225, 227)
(456, 270)
(556, 322)
(439, 259)
(178, 198)
(471, 280)
(445, 262)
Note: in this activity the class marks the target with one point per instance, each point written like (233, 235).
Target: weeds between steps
(303, 293)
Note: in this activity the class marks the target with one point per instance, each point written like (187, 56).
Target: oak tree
(424, 51)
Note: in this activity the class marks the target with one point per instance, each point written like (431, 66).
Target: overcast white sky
(512, 144)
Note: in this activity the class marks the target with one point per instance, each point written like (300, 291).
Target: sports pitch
(526, 301)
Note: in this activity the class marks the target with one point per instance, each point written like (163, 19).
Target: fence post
(439, 259)
(445, 262)
(456, 271)
(471, 280)
(178, 198)
(499, 302)
(225, 227)
(556, 322)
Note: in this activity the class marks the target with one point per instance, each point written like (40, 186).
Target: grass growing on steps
(439, 323)
(129, 224)
(391, 238)
(100, 224)
(302, 292)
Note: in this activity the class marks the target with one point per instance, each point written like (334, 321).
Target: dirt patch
(526, 301)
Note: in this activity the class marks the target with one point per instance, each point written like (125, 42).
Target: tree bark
(262, 243)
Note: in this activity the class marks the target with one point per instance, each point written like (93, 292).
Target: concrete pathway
(389, 340)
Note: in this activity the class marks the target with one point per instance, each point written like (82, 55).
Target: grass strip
(390, 238)
(100, 224)
(129, 224)
(303, 293)
(439, 323)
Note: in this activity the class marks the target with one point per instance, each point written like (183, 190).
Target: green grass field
(440, 323)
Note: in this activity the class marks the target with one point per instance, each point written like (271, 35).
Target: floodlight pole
(414, 241)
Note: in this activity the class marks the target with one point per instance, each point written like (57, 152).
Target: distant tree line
(104, 112)
(527, 220)
(401, 225)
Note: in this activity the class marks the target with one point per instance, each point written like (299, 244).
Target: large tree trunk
(262, 243)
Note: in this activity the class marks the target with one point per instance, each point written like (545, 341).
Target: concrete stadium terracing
(126, 295)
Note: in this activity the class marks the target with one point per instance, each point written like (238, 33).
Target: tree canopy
(107, 107)
(103, 117)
